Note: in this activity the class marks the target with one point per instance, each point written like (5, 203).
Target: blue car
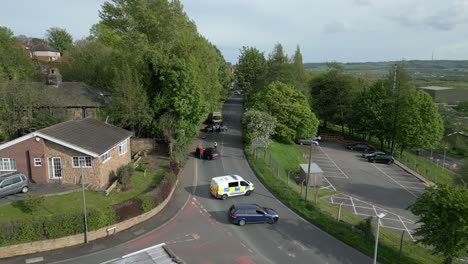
(242, 214)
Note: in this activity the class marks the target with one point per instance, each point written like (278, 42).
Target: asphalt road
(195, 227)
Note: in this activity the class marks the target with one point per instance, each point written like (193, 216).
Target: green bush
(147, 203)
(63, 225)
(98, 218)
(124, 173)
(33, 203)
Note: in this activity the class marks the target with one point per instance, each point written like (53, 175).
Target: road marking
(34, 260)
(395, 181)
(351, 198)
(330, 183)
(403, 223)
(346, 176)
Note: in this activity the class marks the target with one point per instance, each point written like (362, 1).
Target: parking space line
(335, 164)
(403, 223)
(351, 198)
(395, 181)
(330, 183)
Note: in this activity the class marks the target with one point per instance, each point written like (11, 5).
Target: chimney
(54, 77)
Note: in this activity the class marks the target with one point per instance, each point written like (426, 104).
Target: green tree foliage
(251, 71)
(129, 106)
(300, 77)
(331, 95)
(15, 63)
(279, 68)
(462, 107)
(260, 125)
(291, 109)
(59, 38)
(442, 213)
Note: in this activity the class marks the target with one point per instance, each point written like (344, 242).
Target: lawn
(73, 202)
(288, 157)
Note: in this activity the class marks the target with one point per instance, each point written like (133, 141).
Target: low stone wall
(142, 144)
(45, 245)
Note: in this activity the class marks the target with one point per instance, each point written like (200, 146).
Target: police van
(230, 185)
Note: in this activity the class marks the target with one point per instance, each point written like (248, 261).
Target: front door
(55, 168)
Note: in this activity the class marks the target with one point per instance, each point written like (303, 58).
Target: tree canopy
(59, 38)
(443, 212)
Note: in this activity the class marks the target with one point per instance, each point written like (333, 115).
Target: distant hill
(430, 72)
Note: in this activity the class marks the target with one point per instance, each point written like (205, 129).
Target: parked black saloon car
(381, 158)
(359, 147)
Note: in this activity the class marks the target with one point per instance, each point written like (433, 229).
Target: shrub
(33, 203)
(101, 217)
(147, 202)
(124, 174)
(63, 225)
(128, 209)
(174, 167)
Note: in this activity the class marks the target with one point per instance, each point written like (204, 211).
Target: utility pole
(308, 171)
(396, 108)
(84, 202)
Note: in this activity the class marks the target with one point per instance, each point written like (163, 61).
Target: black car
(209, 153)
(381, 158)
(242, 214)
(372, 153)
(359, 147)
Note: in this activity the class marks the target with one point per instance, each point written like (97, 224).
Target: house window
(37, 162)
(84, 161)
(123, 147)
(106, 156)
(7, 164)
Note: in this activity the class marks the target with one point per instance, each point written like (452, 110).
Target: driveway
(41, 189)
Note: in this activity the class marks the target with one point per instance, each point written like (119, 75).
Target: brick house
(54, 154)
(44, 52)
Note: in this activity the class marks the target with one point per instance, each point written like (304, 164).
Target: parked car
(359, 147)
(12, 183)
(309, 141)
(209, 153)
(372, 153)
(216, 128)
(242, 214)
(381, 158)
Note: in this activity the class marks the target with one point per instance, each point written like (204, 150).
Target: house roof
(93, 136)
(88, 136)
(42, 47)
(70, 94)
(314, 168)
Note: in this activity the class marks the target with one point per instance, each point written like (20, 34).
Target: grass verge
(288, 157)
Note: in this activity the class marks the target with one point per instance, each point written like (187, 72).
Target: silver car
(309, 141)
(12, 183)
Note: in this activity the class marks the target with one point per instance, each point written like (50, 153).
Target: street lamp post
(84, 203)
(379, 216)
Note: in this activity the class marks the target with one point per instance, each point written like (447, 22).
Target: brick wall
(108, 169)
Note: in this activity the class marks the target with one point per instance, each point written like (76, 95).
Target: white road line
(403, 223)
(351, 198)
(330, 183)
(334, 163)
(395, 181)
(34, 260)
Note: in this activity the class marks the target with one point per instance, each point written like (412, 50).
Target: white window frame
(11, 162)
(106, 156)
(123, 147)
(86, 161)
(37, 162)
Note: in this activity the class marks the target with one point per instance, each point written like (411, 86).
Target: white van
(230, 185)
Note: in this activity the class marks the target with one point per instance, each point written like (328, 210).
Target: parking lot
(367, 188)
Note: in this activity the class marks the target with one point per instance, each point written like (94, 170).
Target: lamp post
(84, 202)
(379, 216)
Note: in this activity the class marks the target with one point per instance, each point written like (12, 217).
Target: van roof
(228, 178)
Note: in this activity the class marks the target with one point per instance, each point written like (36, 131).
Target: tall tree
(300, 79)
(251, 71)
(291, 109)
(15, 63)
(279, 68)
(443, 212)
(59, 38)
(260, 125)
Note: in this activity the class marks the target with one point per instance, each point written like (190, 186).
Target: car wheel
(247, 193)
(25, 189)
(242, 222)
(271, 221)
(374, 161)
(300, 143)
(390, 162)
(224, 197)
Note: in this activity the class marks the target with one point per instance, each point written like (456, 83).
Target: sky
(324, 30)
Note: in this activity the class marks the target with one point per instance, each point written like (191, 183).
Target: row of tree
(163, 75)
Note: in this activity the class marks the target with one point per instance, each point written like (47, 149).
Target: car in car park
(242, 214)
(372, 153)
(359, 147)
(308, 142)
(12, 183)
(381, 158)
